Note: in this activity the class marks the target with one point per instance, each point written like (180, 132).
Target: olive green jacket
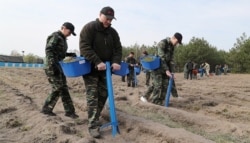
(166, 53)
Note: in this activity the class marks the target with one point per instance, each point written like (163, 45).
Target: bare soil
(214, 109)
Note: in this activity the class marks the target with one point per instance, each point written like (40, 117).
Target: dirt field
(214, 109)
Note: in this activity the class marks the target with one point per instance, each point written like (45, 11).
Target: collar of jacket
(99, 25)
(61, 34)
(168, 41)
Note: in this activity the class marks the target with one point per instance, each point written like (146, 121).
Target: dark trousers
(190, 73)
(131, 78)
(147, 78)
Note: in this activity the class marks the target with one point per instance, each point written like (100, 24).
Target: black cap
(70, 26)
(108, 12)
(178, 36)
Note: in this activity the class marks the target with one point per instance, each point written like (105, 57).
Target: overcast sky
(25, 24)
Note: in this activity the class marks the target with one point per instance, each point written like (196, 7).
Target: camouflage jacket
(166, 53)
(55, 50)
(99, 44)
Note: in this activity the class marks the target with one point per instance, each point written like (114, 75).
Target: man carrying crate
(162, 75)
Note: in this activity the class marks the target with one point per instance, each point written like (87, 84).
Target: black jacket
(99, 44)
(190, 66)
(131, 60)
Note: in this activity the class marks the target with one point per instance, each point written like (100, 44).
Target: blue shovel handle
(114, 122)
(170, 84)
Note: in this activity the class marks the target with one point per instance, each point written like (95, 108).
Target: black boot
(123, 78)
(129, 84)
(47, 111)
(72, 115)
(133, 84)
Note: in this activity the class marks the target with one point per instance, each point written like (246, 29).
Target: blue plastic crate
(80, 66)
(150, 65)
(123, 71)
(137, 70)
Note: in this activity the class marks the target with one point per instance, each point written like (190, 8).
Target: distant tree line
(198, 50)
(29, 58)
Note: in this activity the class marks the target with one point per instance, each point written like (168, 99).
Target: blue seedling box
(123, 71)
(152, 64)
(137, 70)
(80, 66)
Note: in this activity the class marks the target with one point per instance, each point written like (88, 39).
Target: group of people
(99, 42)
(191, 70)
(132, 64)
(221, 69)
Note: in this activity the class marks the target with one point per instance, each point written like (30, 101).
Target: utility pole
(23, 56)
(23, 53)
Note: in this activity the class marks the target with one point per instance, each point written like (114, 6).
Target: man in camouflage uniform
(56, 48)
(163, 73)
(99, 42)
(147, 72)
(185, 71)
(131, 64)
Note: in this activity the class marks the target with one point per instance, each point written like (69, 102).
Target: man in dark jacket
(190, 67)
(99, 42)
(131, 64)
(56, 48)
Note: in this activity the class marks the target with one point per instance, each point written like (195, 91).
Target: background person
(225, 69)
(190, 67)
(206, 68)
(147, 72)
(131, 64)
(185, 71)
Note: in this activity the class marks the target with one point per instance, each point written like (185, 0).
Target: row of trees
(199, 51)
(29, 58)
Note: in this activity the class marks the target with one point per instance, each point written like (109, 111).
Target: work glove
(70, 55)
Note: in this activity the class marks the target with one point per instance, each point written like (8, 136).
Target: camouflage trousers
(147, 78)
(159, 88)
(150, 88)
(131, 77)
(96, 88)
(59, 89)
